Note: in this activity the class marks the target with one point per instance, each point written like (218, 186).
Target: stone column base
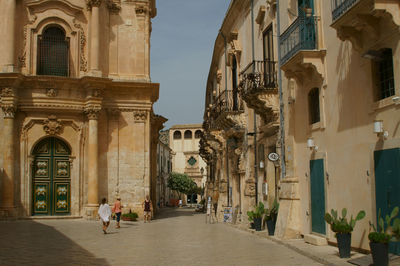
(90, 211)
(95, 73)
(8, 213)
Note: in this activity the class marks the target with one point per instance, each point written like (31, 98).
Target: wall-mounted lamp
(261, 164)
(311, 144)
(373, 55)
(378, 129)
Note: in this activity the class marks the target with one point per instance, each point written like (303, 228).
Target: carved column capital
(9, 110)
(92, 111)
(93, 3)
(7, 92)
(140, 116)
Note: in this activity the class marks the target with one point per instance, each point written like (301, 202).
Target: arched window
(313, 105)
(177, 135)
(53, 52)
(188, 134)
(197, 134)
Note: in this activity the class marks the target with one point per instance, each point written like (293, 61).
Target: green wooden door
(51, 178)
(317, 196)
(387, 184)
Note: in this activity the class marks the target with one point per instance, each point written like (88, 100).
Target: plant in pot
(131, 216)
(343, 228)
(381, 236)
(270, 217)
(250, 217)
(258, 214)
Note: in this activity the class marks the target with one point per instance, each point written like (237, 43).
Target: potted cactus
(343, 228)
(381, 235)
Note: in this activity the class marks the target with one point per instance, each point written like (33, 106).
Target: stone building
(241, 122)
(76, 99)
(184, 142)
(164, 167)
(339, 68)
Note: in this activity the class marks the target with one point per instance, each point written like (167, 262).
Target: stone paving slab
(177, 237)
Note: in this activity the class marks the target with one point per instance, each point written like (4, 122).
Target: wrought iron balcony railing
(258, 76)
(301, 35)
(227, 101)
(339, 7)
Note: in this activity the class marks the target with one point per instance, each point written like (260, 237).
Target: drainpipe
(281, 104)
(226, 99)
(255, 115)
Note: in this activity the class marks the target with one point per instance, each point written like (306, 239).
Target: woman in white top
(105, 214)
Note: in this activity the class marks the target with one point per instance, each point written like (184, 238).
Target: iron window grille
(385, 74)
(53, 53)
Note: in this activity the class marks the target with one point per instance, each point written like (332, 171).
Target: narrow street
(176, 237)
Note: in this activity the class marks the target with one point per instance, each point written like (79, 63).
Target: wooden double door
(51, 178)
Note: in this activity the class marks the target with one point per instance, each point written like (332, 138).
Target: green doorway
(317, 185)
(51, 178)
(387, 185)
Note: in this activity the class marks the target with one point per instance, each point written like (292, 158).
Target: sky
(182, 43)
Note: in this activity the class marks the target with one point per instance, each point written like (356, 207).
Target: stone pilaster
(7, 28)
(7, 204)
(94, 6)
(92, 113)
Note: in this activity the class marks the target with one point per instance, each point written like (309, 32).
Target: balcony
(365, 22)
(301, 55)
(259, 89)
(227, 112)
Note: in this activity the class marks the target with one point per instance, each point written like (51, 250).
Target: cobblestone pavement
(176, 237)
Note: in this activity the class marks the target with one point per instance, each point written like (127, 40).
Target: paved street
(176, 237)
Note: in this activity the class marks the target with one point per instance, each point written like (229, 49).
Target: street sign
(273, 157)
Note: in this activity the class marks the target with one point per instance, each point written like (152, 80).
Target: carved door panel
(51, 178)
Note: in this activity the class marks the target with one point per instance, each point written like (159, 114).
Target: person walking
(105, 214)
(148, 208)
(117, 210)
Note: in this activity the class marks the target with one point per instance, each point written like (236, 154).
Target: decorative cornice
(140, 116)
(114, 113)
(52, 125)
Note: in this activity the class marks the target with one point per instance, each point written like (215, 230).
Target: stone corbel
(354, 36)
(391, 7)
(114, 6)
(371, 24)
(261, 14)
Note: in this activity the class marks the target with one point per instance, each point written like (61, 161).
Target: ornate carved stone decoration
(223, 186)
(141, 10)
(92, 111)
(51, 92)
(250, 188)
(7, 92)
(93, 3)
(22, 57)
(140, 115)
(114, 6)
(8, 110)
(82, 44)
(219, 76)
(52, 125)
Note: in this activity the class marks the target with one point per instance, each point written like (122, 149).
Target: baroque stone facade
(338, 143)
(77, 110)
